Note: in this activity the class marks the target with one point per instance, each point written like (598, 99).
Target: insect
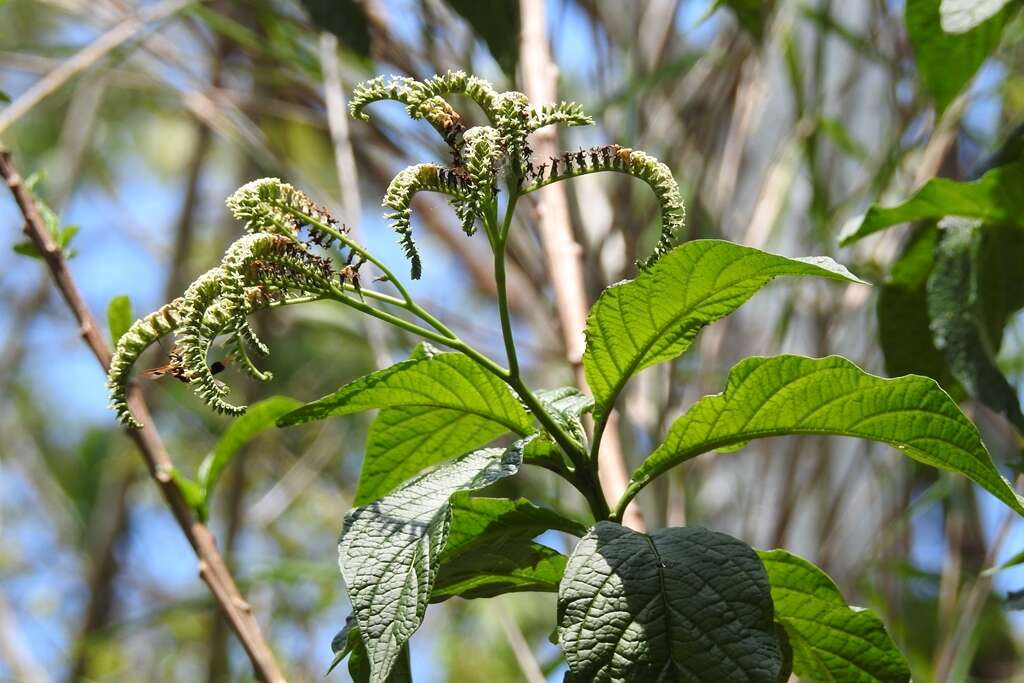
(175, 367)
(350, 273)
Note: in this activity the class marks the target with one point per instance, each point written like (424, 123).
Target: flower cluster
(482, 155)
(274, 264)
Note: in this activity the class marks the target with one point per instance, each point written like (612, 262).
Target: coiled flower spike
(424, 178)
(142, 334)
(482, 158)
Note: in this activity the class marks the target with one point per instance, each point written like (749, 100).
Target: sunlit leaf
(681, 604)
(119, 317)
(446, 380)
(656, 316)
(993, 198)
(960, 16)
(830, 640)
(781, 395)
(947, 61)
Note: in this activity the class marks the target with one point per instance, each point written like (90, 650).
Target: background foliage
(783, 122)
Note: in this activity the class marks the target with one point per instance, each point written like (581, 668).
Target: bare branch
(211, 565)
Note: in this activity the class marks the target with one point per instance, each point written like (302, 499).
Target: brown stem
(563, 254)
(211, 566)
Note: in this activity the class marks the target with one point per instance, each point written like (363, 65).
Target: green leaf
(4, 97)
(681, 604)
(946, 62)
(389, 550)
(831, 641)
(344, 18)
(490, 550)
(446, 380)
(957, 308)
(189, 489)
(753, 15)
(656, 316)
(258, 418)
(993, 198)
(119, 316)
(836, 130)
(67, 234)
(344, 642)
(27, 249)
(1014, 561)
(960, 16)
(782, 395)
(497, 22)
(406, 440)
(567, 406)
(904, 328)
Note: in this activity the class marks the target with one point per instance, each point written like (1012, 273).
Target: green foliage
(957, 307)
(656, 316)
(960, 16)
(345, 19)
(497, 22)
(993, 198)
(679, 604)
(904, 327)
(444, 380)
(767, 397)
(946, 62)
(753, 15)
(119, 317)
(490, 550)
(830, 640)
(260, 417)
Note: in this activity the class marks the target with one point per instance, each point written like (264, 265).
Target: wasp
(350, 273)
(175, 367)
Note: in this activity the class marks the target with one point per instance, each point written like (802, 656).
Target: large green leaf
(996, 197)
(656, 316)
(831, 641)
(490, 550)
(960, 16)
(957, 307)
(406, 440)
(677, 605)
(781, 395)
(259, 417)
(945, 61)
(389, 550)
(445, 380)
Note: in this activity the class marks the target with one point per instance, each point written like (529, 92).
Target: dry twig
(212, 569)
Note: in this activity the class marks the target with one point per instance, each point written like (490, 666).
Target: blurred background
(781, 121)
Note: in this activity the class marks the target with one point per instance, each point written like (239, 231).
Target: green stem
(409, 303)
(341, 297)
(500, 241)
